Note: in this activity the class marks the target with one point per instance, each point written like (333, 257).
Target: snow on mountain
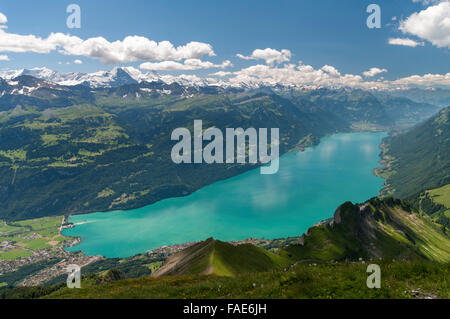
(22, 83)
(118, 76)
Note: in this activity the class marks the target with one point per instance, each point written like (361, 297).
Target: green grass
(421, 157)
(435, 203)
(441, 195)
(228, 260)
(154, 266)
(41, 223)
(222, 259)
(327, 280)
(14, 155)
(5, 228)
(430, 241)
(39, 243)
(33, 234)
(14, 254)
(385, 228)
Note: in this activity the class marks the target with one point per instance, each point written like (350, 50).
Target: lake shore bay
(264, 197)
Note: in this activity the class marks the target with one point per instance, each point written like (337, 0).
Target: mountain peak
(380, 228)
(222, 259)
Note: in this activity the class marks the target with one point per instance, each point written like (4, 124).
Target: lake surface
(308, 188)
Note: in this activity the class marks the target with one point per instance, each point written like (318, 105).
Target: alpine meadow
(225, 158)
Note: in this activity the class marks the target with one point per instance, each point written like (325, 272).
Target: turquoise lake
(308, 188)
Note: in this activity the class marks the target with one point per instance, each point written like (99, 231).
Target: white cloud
(427, 80)
(78, 61)
(404, 41)
(130, 49)
(189, 64)
(431, 24)
(331, 70)
(221, 73)
(373, 71)
(306, 76)
(4, 57)
(269, 55)
(295, 75)
(427, 2)
(3, 18)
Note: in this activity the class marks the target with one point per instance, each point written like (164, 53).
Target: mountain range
(115, 77)
(119, 76)
(55, 139)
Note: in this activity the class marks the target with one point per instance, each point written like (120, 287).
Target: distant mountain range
(114, 128)
(119, 76)
(116, 77)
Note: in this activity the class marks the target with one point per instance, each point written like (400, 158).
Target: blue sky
(322, 32)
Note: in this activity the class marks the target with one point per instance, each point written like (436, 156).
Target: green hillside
(57, 140)
(213, 257)
(364, 108)
(387, 229)
(441, 195)
(436, 203)
(50, 154)
(324, 280)
(419, 159)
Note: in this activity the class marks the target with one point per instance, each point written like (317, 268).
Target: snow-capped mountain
(117, 76)
(49, 83)
(24, 84)
(40, 73)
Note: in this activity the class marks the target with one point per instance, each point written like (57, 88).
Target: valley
(225, 158)
(306, 190)
(65, 137)
(53, 136)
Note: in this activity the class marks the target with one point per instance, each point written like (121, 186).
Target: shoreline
(384, 171)
(258, 241)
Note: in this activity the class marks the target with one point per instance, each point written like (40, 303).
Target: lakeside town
(39, 244)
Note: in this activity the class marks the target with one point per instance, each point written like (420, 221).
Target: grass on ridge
(327, 280)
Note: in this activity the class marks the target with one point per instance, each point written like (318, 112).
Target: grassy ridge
(325, 280)
(222, 259)
(377, 229)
